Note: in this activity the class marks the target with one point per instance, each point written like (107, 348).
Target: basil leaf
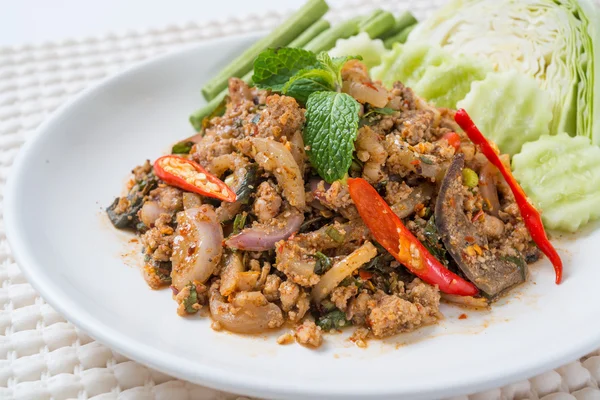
(335, 319)
(323, 263)
(433, 241)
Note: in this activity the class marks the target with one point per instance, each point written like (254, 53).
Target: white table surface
(40, 21)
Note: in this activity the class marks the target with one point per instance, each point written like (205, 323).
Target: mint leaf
(334, 65)
(274, 67)
(307, 81)
(330, 131)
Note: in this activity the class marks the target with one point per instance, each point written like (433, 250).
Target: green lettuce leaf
(330, 131)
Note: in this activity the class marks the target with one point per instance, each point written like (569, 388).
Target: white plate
(65, 177)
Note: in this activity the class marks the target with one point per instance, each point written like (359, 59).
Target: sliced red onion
(197, 246)
(366, 93)
(150, 212)
(314, 184)
(264, 236)
(250, 312)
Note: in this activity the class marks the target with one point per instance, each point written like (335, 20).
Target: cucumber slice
(561, 175)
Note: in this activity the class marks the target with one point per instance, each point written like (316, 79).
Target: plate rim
(203, 374)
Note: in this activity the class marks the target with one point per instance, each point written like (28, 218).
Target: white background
(39, 21)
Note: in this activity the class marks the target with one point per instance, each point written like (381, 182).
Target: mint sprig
(308, 81)
(274, 67)
(331, 117)
(330, 131)
(334, 65)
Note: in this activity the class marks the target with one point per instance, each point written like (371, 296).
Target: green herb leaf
(239, 222)
(330, 131)
(335, 319)
(182, 148)
(377, 110)
(191, 300)
(274, 67)
(308, 81)
(380, 264)
(323, 263)
(248, 184)
(334, 65)
(433, 242)
(312, 224)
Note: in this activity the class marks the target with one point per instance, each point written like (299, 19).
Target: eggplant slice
(491, 273)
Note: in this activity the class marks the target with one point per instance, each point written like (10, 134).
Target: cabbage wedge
(554, 41)
(431, 72)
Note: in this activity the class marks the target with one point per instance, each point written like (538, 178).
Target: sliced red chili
(453, 139)
(531, 216)
(365, 275)
(389, 231)
(190, 176)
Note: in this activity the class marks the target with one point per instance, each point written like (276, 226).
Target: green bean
(326, 40)
(309, 34)
(297, 23)
(378, 23)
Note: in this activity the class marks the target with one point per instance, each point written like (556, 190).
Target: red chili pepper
(190, 176)
(365, 275)
(389, 231)
(531, 216)
(453, 139)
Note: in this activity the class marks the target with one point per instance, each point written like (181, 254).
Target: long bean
(403, 21)
(398, 38)
(297, 23)
(326, 40)
(377, 23)
(309, 34)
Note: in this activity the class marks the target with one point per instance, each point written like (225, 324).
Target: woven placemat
(42, 356)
